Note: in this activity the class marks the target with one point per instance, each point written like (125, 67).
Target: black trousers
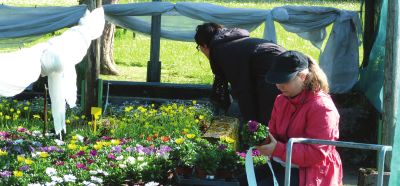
(264, 175)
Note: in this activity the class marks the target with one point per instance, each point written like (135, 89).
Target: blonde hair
(316, 79)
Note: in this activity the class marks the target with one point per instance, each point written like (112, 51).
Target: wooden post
(154, 65)
(392, 77)
(92, 70)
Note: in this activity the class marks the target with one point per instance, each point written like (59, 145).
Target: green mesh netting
(371, 77)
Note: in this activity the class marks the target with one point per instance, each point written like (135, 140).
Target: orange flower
(155, 135)
(149, 138)
(165, 138)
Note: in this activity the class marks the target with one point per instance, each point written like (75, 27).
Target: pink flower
(93, 153)
(59, 163)
(21, 129)
(111, 156)
(81, 166)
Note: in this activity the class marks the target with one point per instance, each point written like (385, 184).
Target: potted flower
(208, 161)
(230, 161)
(184, 156)
(255, 134)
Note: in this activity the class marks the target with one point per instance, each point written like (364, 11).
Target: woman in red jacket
(303, 110)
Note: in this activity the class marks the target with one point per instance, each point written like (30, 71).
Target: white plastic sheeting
(56, 59)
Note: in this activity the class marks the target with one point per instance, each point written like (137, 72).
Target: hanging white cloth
(56, 59)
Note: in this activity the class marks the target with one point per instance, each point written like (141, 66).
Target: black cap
(286, 66)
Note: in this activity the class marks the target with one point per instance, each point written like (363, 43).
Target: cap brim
(279, 77)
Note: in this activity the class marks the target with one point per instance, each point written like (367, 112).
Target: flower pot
(224, 174)
(185, 171)
(201, 173)
(132, 183)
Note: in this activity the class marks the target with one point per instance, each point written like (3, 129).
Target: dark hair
(205, 32)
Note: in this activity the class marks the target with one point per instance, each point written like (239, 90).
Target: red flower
(72, 156)
(165, 138)
(149, 138)
(90, 161)
(80, 153)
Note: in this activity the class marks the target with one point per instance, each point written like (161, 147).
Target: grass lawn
(181, 63)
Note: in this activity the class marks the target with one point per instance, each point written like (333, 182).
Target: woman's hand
(268, 149)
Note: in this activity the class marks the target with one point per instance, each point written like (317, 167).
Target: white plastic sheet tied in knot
(56, 59)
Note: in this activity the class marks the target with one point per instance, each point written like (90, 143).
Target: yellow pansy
(44, 154)
(83, 148)
(179, 141)
(28, 161)
(74, 137)
(115, 142)
(3, 153)
(72, 146)
(97, 146)
(18, 173)
(190, 136)
(20, 159)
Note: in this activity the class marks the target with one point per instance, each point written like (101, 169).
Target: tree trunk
(107, 63)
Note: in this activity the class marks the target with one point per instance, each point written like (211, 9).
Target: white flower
(59, 142)
(51, 183)
(34, 184)
(69, 178)
(96, 179)
(36, 133)
(140, 158)
(131, 160)
(35, 154)
(51, 171)
(49, 134)
(152, 184)
(102, 172)
(122, 166)
(80, 138)
(142, 165)
(86, 183)
(56, 179)
(92, 172)
(119, 158)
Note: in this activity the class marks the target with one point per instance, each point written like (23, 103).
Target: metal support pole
(154, 65)
(381, 148)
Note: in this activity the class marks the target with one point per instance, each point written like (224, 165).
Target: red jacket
(308, 115)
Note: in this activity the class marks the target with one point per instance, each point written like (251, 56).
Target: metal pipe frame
(381, 148)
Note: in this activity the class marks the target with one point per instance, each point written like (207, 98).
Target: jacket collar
(300, 99)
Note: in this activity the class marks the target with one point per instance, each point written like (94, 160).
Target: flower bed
(133, 144)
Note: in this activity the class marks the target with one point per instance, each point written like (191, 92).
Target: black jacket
(243, 62)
